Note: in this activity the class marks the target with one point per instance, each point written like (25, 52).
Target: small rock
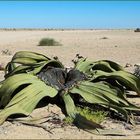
(62, 116)
(137, 65)
(128, 65)
(104, 38)
(1, 66)
(5, 132)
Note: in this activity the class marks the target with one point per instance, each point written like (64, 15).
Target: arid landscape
(121, 46)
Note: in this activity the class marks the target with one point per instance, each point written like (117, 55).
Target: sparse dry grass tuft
(48, 42)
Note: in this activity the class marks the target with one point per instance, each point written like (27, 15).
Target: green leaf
(26, 100)
(25, 58)
(30, 55)
(12, 83)
(104, 89)
(9, 67)
(33, 68)
(125, 78)
(19, 69)
(69, 105)
(106, 65)
(104, 95)
(22, 59)
(91, 98)
(26, 61)
(79, 120)
(84, 65)
(87, 66)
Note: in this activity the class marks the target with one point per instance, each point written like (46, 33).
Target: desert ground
(121, 46)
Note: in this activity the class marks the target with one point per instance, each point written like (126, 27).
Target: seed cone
(60, 78)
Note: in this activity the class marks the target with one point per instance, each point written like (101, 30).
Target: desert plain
(121, 46)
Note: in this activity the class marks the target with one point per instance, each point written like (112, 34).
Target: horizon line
(47, 29)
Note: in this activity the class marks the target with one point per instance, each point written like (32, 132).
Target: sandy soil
(122, 46)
